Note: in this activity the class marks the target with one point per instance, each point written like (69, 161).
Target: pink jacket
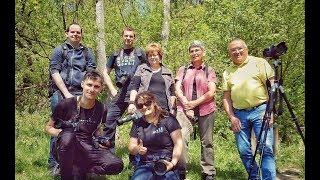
(202, 86)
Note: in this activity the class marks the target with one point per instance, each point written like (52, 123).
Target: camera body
(274, 52)
(71, 124)
(124, 80)
(101, 140)
(137, 116)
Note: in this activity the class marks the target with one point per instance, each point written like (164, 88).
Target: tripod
(275, 91)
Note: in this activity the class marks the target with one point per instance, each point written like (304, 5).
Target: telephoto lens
(160, 167)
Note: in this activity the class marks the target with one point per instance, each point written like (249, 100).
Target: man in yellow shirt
(245, 99)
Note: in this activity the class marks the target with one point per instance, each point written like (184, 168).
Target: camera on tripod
(137, 116)
(124, 80)
(274, 52)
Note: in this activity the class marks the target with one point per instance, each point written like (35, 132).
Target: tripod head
(274, 52)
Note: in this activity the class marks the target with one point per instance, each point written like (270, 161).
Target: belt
(251, 108)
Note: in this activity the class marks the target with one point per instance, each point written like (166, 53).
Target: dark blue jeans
(146, 172)
(252, 119)
(115, 109)
(54, 100)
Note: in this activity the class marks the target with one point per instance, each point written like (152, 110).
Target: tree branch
(28, 39)
(40, 85)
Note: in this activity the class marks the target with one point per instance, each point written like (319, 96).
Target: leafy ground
(32, 146)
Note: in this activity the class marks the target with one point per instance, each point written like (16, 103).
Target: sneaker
(55, 170)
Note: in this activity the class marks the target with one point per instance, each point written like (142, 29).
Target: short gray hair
(196, 43)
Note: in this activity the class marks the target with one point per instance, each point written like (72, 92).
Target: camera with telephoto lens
(274, 52)
(137, 116)
(123, 81)
(105, 141)
(159, 167)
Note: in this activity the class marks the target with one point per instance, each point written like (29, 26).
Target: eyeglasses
(237, 50)
(195, 50)
(147, 104)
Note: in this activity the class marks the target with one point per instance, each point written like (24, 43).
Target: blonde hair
(154, 47)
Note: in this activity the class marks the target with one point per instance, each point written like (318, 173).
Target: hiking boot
(208, 177)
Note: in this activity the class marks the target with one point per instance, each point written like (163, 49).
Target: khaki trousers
(206, 124)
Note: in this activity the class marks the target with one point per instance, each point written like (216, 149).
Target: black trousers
(114, 111)
(77, 157)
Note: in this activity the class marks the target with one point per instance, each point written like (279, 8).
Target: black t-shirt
(156, 138)
(90, 118)
(126, 63)
(156, 87)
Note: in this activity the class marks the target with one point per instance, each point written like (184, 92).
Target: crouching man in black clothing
(76, 122)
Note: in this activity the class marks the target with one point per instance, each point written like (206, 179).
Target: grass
(32, 148)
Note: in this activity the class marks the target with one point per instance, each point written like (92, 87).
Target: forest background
(40, 24)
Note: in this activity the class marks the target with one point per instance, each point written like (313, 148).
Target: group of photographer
(164, 108)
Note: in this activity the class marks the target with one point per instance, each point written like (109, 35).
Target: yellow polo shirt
(247, 82)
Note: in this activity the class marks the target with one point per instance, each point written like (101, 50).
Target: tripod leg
(293, 117)
(267, 161)
(256, 149)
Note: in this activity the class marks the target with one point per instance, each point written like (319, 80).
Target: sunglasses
(147, 104)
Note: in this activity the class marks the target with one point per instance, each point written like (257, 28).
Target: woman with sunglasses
(157, 137)
(153, 76)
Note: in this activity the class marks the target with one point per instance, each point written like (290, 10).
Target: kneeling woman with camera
(156, 139)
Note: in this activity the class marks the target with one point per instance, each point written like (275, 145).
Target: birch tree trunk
(101, 50)
(165, 26)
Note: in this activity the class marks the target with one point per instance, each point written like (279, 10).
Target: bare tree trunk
(165, 27)
(101, 50)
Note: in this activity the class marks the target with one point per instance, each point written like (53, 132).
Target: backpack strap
(64, 51)
(138, 53)
(85, 53)
(184, 73)
(206, 69)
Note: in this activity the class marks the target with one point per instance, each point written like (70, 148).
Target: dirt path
(289, 174)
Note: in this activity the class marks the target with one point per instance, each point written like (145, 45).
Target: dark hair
(145, 96)
(94, 75)
(73, 23)
(128, 28)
